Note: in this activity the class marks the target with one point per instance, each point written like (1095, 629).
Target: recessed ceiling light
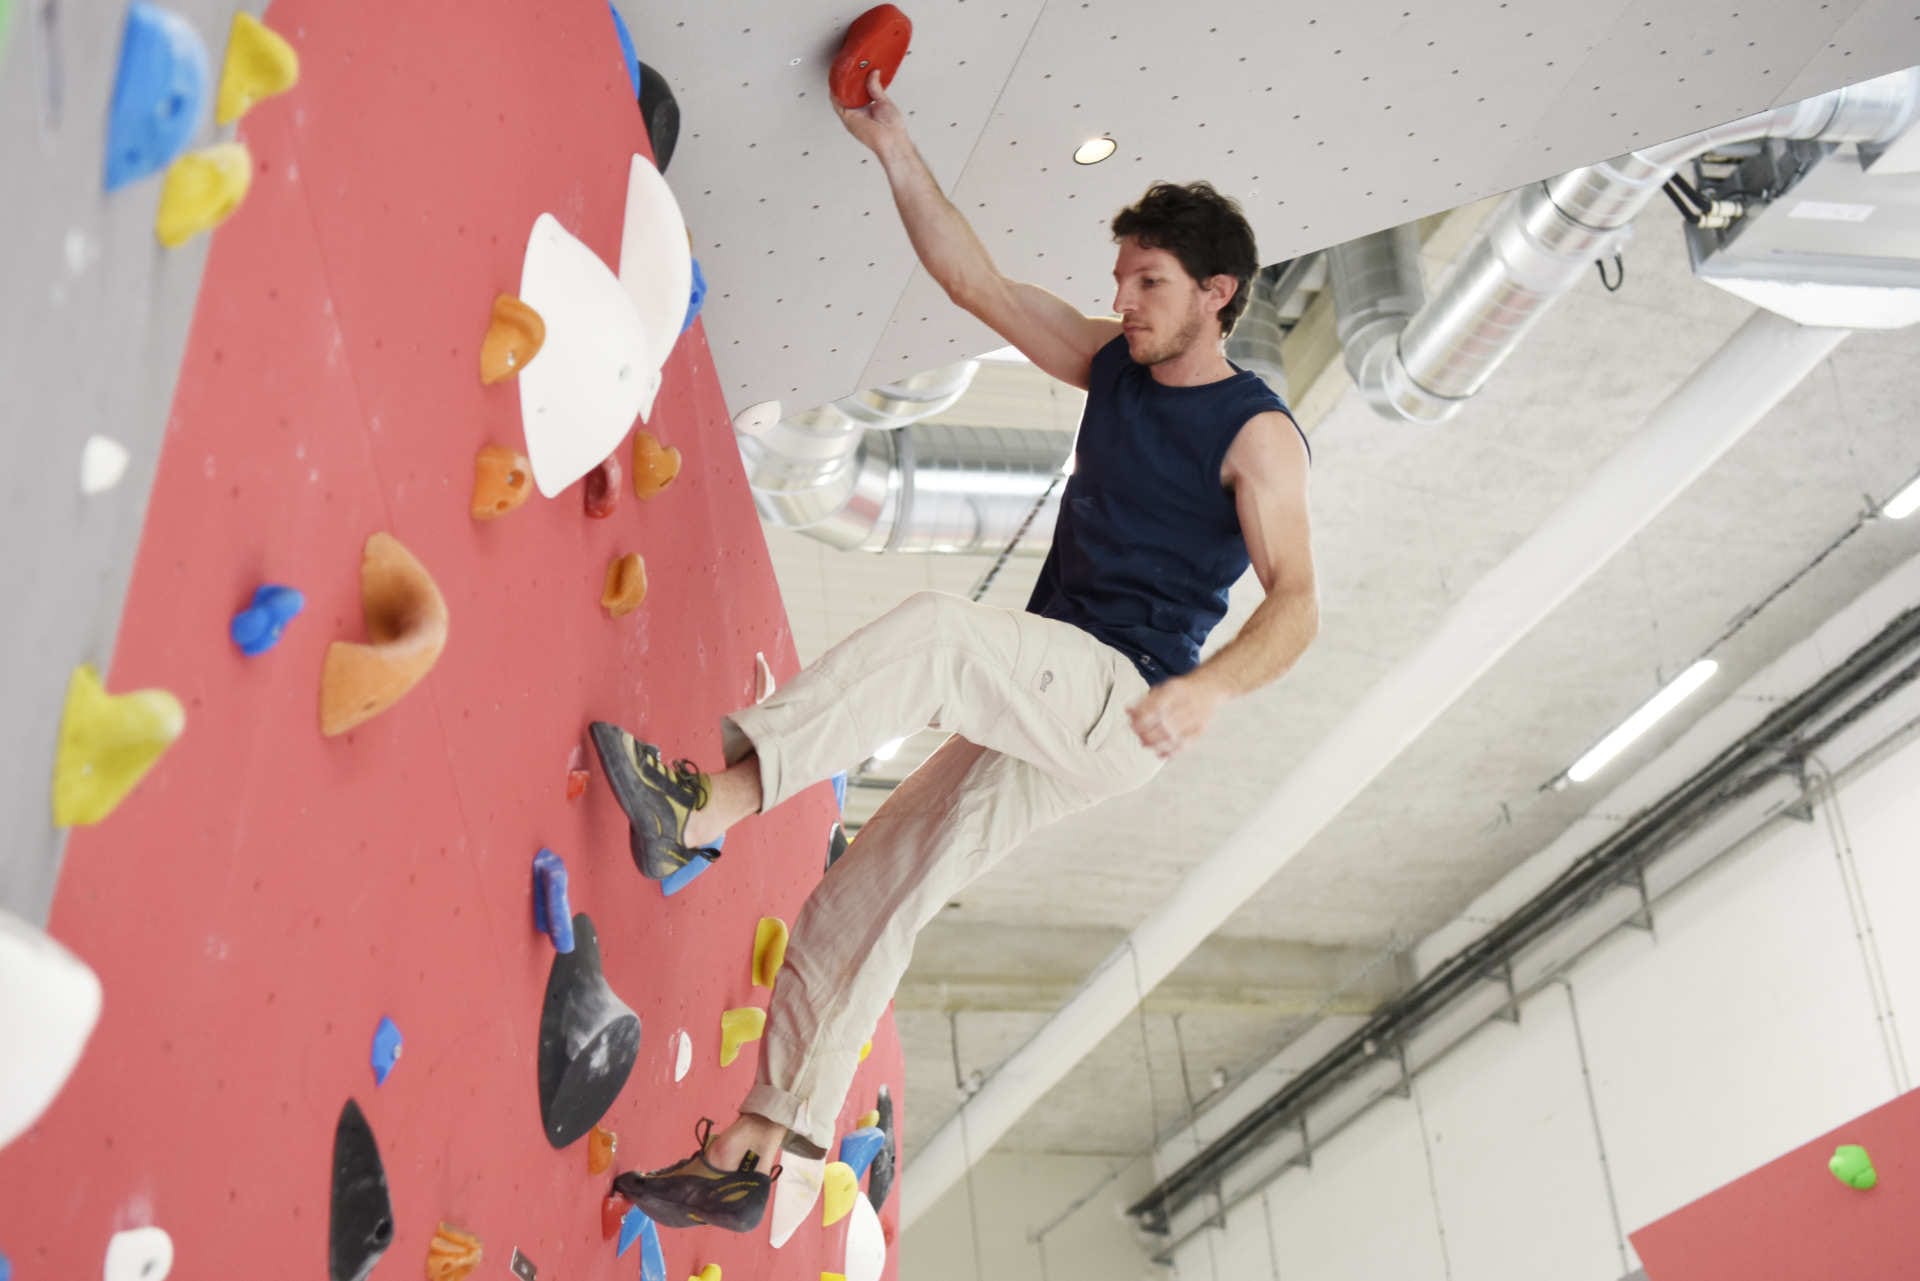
(1094, 150)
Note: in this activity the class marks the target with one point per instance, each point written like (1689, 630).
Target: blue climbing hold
(159, 94)
(256, 629)
(859, 1148)
(698, 297)
(690, 871)
(551, 912)
(6, 1268)
(627, 50)
(840, 791)
(386, 1049)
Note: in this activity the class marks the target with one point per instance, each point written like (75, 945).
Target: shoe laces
(685, 774)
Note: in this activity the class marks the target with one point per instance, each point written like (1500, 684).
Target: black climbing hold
(361, 1226)
(836, 845)
(589, 1040)
(660, 112)
(880, 1179)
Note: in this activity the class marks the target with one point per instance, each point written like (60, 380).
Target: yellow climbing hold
(737, 1027)
(108, 742)
(842, 1185)
(832, 1276)
(866, 1048)
(709, 1273)
(869, 1120)
(260, 63)
(201, 190)
(769, 950)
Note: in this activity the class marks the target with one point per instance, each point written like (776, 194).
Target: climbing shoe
(657, 800)
(694, 1194)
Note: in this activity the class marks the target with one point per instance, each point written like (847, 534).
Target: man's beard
(1176, 346)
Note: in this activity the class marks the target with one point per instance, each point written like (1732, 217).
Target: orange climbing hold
(877, 40)
(600, 1147)
(626, 585)
(452, 1254)
(577, 780)
(502, 480)
(406, 630)
(654, 465)
(514, 337)
(602, 489)
(201, 190)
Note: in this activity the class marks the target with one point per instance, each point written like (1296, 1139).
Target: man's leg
(1030, 687)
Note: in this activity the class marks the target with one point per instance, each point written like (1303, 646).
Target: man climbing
(1187, 470)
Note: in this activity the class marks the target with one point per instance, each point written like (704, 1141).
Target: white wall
(1655, 1068)
(1015, 1196)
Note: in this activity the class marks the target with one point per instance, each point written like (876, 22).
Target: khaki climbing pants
(1038, 710)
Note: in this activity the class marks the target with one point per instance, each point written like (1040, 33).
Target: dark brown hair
(1203, 229)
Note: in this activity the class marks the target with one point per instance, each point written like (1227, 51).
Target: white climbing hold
(795, 1195)
(656, 266)
(49, 1002)
(102, 463)
(866, 1243)
(139, 1254)
(682, 1055)
(762, 678)
(578, 400)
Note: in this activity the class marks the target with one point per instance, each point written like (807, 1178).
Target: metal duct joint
(1423, 367)
(857, 474)
(1255, 341)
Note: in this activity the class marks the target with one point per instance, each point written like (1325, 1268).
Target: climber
(1187, 470)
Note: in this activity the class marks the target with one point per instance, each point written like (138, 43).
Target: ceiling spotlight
(1094, 150)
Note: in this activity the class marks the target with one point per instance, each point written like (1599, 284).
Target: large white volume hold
(139, 1254)
(102, 463)
(578, 399)
(656, 266)
(49, 1002)
(795, 1195)
(866, 1243)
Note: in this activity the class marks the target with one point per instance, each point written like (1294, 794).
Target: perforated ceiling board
(1327, 120)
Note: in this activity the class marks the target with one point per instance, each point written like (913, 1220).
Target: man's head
(1186, 257)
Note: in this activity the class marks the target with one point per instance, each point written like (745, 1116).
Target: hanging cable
(1000, 561)
(1620, 268)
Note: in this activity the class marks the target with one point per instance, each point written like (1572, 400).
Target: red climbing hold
(612, 1210)
(577, 780)
(876, 40)
(603, 488)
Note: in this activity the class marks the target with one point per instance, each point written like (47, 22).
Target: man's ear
(1223, 288)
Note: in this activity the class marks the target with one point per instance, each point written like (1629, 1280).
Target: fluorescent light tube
(1904, 503)
(1642, 720)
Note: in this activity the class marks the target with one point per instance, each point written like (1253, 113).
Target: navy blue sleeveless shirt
(1148, 540)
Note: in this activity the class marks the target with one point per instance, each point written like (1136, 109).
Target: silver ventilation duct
(1257, 335)
(858, 475)
(1538, 244)
(1377, 288)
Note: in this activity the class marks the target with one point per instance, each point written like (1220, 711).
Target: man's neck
(1202, 363)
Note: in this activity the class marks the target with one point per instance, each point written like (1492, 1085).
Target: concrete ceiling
(1328, 120)
(1405, 520)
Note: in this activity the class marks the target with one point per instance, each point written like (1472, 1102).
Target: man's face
(1163, 311)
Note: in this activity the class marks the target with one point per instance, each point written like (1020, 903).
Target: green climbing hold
(1853, 1167)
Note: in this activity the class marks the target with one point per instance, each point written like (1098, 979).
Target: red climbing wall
(1791, 1220)
(266, 895)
